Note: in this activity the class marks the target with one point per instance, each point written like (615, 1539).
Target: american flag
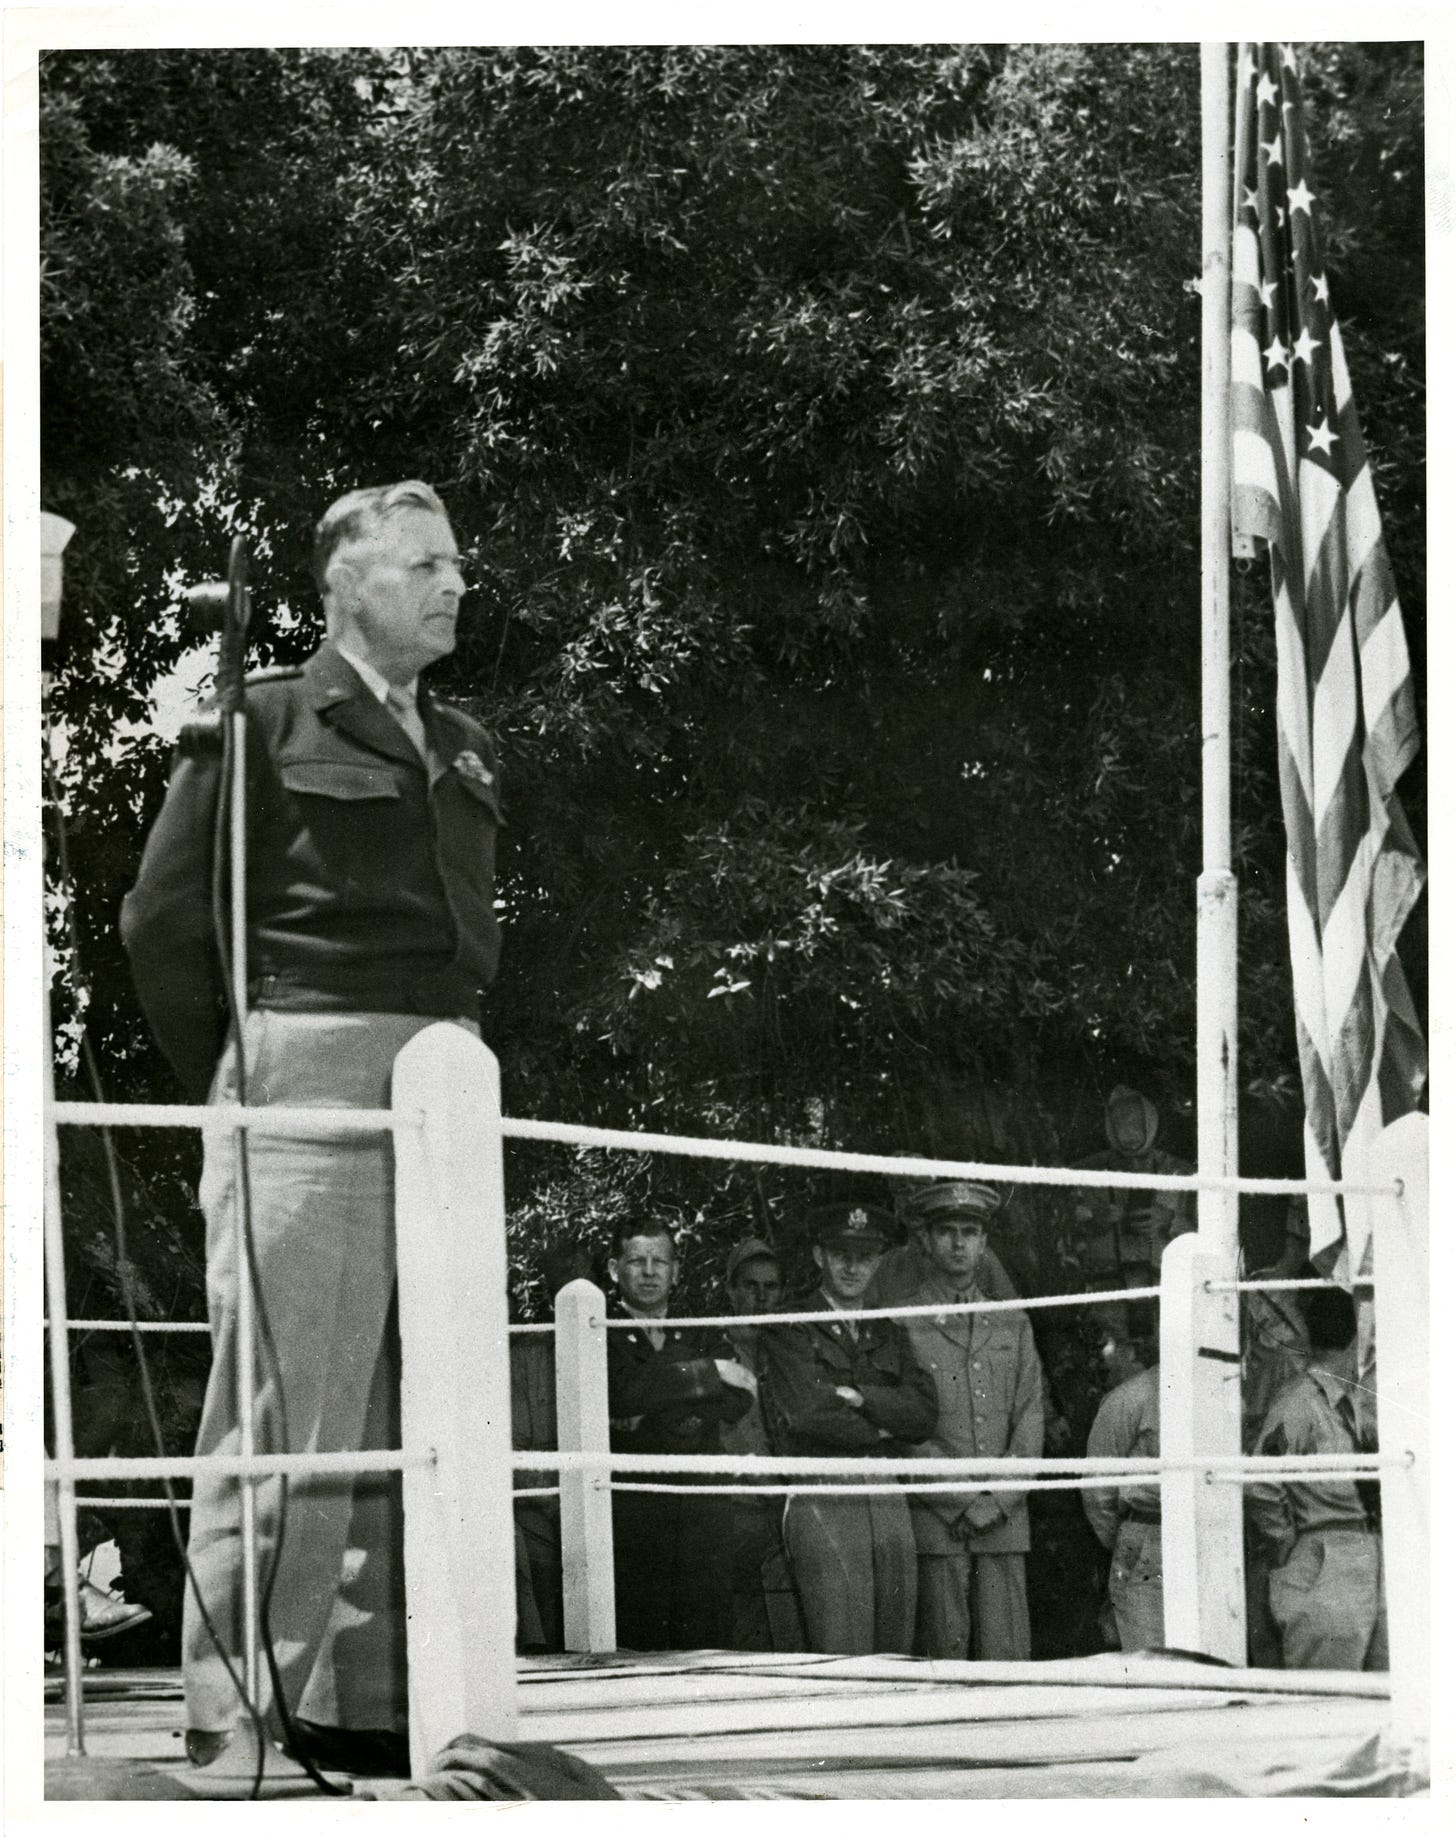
(1346, 707)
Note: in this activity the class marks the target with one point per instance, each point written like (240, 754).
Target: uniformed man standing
(972, 1545)
(847, 1387)
(668, 1391)
(1322, 1536)
(1128, 1520)
(766, 1615)
(373, 810)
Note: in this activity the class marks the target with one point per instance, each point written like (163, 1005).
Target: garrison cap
(746, 1251)
(941, 1199)
(851, 1226)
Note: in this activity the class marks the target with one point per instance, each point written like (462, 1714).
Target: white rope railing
(285, 1120)
(130, 1326)
(967, 1469)
(261, 1119)
(907, 1311)
(262, 1466)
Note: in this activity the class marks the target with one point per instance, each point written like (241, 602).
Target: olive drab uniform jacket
(371, 869)
(801, 1366)
(672, 1399)
(989, 1388)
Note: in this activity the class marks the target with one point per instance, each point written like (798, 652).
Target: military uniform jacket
(672, 1399)
(1314, 1414)
(988, 1383)
(371, 875)
(1126, 1424)
(801, 1366)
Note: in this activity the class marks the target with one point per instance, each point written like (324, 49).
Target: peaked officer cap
(940, 1199)
(851, 1226)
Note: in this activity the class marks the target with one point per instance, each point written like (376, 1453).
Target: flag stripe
(1345, 705)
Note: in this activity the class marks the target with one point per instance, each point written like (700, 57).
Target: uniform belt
(1323, 1526)
(444, 995)
(1137, 1515)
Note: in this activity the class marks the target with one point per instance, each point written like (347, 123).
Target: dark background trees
(822, 425)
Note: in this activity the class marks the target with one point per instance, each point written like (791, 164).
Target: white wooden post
(1199, 1414)
(588, 1581)
(1402, 1350)
(1203, 1560)
(455, 1394)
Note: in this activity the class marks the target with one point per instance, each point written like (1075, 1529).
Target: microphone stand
(230, 605)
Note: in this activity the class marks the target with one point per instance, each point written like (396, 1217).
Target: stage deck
(707, 1725)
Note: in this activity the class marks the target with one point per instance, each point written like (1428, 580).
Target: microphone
(224, 607)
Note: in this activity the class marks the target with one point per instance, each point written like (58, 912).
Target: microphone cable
(222, 939)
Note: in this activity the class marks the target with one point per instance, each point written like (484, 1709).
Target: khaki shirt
(1313, 1415)
(1126, 1424)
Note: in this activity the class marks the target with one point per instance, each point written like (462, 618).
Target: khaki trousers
(1329, 1603)
(1135, 1585)
(854, 1566)
(973, 1607)
(323, 1234)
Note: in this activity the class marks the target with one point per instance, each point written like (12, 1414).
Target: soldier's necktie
(405, 709)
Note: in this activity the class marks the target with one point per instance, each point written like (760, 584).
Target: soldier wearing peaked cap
(972, 1545)
(843, 1386)
(373, 813)
(904, 1268)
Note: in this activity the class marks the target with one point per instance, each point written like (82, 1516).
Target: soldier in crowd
(1273, 1246)
(972, 1545)
(1126, 1230)
(669, 1391)
(766, 1614)
(848, 1387)
(1322, 1536)
(1128, 1520)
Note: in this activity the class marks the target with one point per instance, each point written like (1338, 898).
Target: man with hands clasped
(972, 1545)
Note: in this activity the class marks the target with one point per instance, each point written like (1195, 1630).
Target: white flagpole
(1218, 1096)
(1200, 1401)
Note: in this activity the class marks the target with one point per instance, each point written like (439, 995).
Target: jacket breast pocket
(339, 779)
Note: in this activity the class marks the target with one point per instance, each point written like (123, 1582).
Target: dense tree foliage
(822, 426)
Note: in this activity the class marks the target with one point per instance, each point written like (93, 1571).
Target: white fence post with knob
(455, 1393)
(588, 1589)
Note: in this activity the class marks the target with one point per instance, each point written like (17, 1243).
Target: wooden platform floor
(748, 1726)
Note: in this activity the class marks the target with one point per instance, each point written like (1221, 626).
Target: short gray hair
(359, 513)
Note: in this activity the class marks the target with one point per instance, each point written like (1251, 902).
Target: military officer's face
(395, 594)
(645, 1273)
(955, 1246)
(757, 1287)
(847, 1269)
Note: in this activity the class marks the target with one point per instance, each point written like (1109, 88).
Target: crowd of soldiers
(938, 1573)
